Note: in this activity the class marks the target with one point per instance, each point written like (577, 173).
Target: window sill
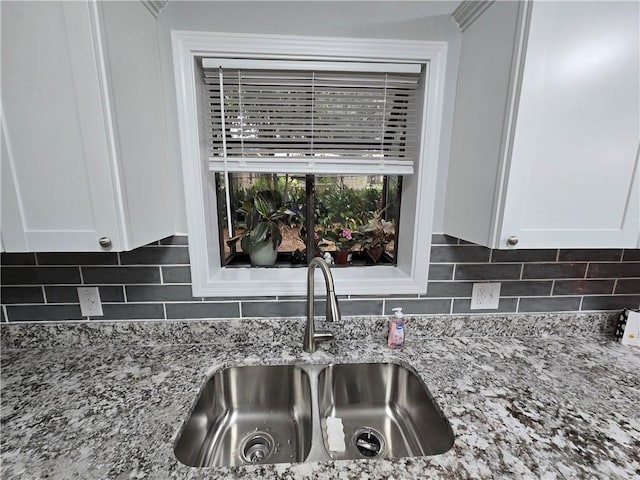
(373, 280)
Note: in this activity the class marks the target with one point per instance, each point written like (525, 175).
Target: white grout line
(580, 306)
(124, 294)
(164, 310)
(161, 275)
(118, 255)
(6, 316)
(521, 271)
(44, 294)
(240, 309)
(557, 255)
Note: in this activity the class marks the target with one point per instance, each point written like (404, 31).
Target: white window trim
(209, 279)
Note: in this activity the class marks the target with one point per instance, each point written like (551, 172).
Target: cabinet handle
(105, 242)
(512, 241)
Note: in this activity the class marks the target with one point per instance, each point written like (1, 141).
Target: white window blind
(311, 117)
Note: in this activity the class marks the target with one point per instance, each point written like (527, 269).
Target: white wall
(388, 19)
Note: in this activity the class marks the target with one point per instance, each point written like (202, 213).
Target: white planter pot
(264, 255)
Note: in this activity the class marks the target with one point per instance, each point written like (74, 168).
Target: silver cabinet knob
(105, 242)
(512, 241)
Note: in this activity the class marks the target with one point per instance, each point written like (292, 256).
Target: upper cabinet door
(573, 180)
(56, 176)
(546, 128)
(84, 161)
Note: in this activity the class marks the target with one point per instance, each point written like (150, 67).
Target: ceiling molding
(467, 12)
(155, 6)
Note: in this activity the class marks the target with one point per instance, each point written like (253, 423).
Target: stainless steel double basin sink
(277, 414)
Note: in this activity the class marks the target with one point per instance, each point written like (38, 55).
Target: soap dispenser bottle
(396, 329)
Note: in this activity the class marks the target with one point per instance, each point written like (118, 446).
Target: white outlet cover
(485, 296)
(90, 304)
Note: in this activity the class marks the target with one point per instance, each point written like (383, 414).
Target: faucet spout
(311, 336)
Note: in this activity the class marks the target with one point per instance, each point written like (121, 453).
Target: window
(354, 218)
(322, 117)
(361, 117)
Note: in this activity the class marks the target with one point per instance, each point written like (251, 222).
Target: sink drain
(257, 447)
(369, 442)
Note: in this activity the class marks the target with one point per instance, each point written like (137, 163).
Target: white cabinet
(546, 127)
(83, 137)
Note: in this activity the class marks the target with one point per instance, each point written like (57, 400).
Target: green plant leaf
(259, 234)
(276, 236)
(261, 206)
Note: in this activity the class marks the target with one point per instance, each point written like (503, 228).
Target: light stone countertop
(539, 396)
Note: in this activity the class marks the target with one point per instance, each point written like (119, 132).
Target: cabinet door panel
(574, 175)
(55, 129)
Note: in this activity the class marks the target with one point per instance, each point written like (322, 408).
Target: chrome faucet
(311, 337)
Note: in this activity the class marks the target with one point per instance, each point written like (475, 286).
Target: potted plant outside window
(344, 240)
(375, 235)
(263, 215)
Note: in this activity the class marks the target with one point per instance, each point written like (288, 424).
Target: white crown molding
(467, 12)
(155, 6)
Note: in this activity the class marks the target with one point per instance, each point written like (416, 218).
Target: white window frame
(209, 277)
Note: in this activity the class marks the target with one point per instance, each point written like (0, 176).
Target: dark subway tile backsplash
(459, 254)
(526, 288)
(549, 304)
(42, 313)
(176, 274)
(626, 285)
(175, 240)
(18, 259)
(159, 293)
(427, 305)
(440, 272)
(15, 275)
(631, 256)
(121, 275)
(554, 270)
(502, 256)
(488, 271)
(582, 287)
(154, 282)
(152, 255)
(589, 255)
(11, 295)
(449, 289)
(275, 309)
(132, 311)
(614, 270)
(610, 302)
(82, 258)
(69, 294)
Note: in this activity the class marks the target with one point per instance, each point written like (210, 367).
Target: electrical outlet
(485, 296)
(90, 304)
